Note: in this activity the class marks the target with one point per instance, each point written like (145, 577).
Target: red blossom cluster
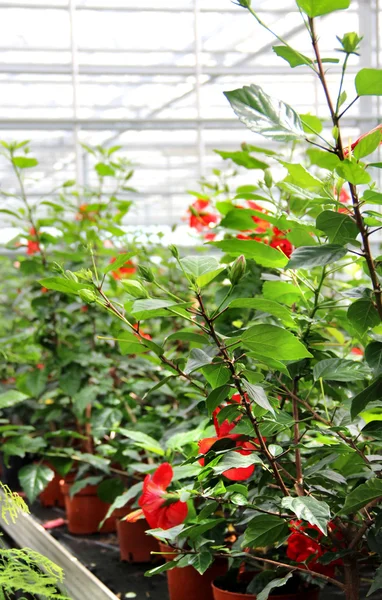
(273, 236)
(223, 431)
(159, 508)
(127, 270)
(304, 548)
(33, 245)
(201, 219)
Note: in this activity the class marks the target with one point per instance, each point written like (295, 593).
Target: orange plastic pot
(134, 545)
(85, 511)
(52, 495)
(186, 583)
(219, 594)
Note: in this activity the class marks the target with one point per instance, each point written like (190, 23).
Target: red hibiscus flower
(159, 508)
(242, 236)
(223, 431)
(357, 351)
(262, 225)
(200, 218)
(125, 271)
(282, 244)
(304, 549)
(147, 336)
(84, 214)
(346, 150)
(33, 245)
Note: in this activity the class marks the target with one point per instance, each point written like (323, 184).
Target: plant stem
(245, 403)
(299, 486)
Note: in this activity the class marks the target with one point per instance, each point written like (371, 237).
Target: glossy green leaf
(298, 175)
(338, 369)
(275, 583)
(373, 429)
(273, 341)
(353, 172)
(362, 495)
(216, 374)
(363, 315)
(80, 484)
(120, 260)
(235, 460)
(200, 357)
(217, 397)
(309, 509)
(199, 265)
(34, 479)
(282, 291)
(202, 561)
(243, 159)
(261, 253)
(316, 8)
(156, 307)
(324, 160)
(61, 284)
(368, 82)
(339, 228)
(293, 57)
(373, 356)
(257, 394)
(267, 306)
(368, 144)
(130, 344)
(241, 219)
(316, 256)
(262, 114)
(265, 530)
(370, 394)
(142, 440)
(11, 398)
(311, 123)
(104, 170)
(23, 162)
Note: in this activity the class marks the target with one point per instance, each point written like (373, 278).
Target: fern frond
(11, 504)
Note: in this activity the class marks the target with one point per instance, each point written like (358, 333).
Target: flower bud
(244, 3)
(87, 295)
(237, 270)
(146, 273)
(70, 275)
(268, 179)
(174, 251)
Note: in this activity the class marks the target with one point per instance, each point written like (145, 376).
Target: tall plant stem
(353, 189)
(245, 403)
(299, 486)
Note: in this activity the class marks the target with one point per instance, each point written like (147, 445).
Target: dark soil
(100, 554)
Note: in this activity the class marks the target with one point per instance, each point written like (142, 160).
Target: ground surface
(100, 554)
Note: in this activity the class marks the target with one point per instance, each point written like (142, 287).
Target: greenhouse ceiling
(150, 77)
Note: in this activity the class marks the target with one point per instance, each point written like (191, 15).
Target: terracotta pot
(187, 584)
(219, 594)
(52, 495)
(134, 545)
(85, 511)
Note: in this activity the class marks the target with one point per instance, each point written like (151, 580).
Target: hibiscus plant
(281, 348)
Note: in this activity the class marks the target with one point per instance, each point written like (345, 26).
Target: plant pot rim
(271, 596)
(89, 490)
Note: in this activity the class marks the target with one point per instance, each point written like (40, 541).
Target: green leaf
(372, 197)
(316, 256)
(324, 160)
(316, 8)
(368, 82)
(240, 219)
(267, 306)
(265, 530)
(187, 336)
(262, 114)
(119, 262)
(275, 583)
(362, 495)
(299, 176)
(156, 307)
(79, 485)
(135, 288)
(23, 162)
(216, 374)
(294, 58)
(282, 291)
(368, 144)
(11, 397)
(339, 228)
(370, 394)
(104, 170)
(243, 159)
(270, 340)
(142, 440)
(131, 344)
(167, 566)
(261, 253)
(235, 460)
(60, 284)
(86, 396)
(311, 122)
(200, 357)
(377, 582)
(309, 509)
(109, 489)
(199, 265)
(216, 397)
(373, 429)
(373, 356)
(34, 479)
(353, 172)
(363, 315)
(337, 369)
(202, 561)
(258, 395)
